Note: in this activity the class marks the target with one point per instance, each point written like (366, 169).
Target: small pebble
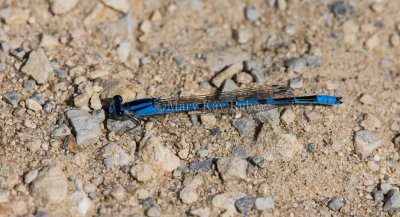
(48, 107)
(378, 195)
(239, 151)
(232, 168)
(251, 13)
(259, 75)
(143, 172)
(269, 116)
(86, 128)
(296, 83)
(312, 61)
(288, 116)
(243, 78)
(367, 99)
(208, 120)
(12, 97)
(296, 64)
(33, 105)
(311, 148)
(19, 53)
(313, 117)
(118, 193)
(385, 187)
(365, 142)
(227, 74)
(2, 66)
(144, 61)
(392, 201)
(264, 203)
(60, 132)
(154, 211)
(229, 85)
(121, 126)
(81, 100)
(245, 204)
(195, 120)
(243, 35)
(244, 125)
(38, 97)
(202, 153)
(371, 122)
(29, 85)
(335, 204)
(30, 176)
(202, 166)
(180, 61)
(114, 156)
(342, 9)
(201, 212)
(258, 161)
(188, 195)
(38, 66)
(81, 202)
(145, 26)
(99, 115)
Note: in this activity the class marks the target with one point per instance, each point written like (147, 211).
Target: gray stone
(85, 127)
(42, 213)
(296, 64)
(378, 195)
(49, 106)
(144, 61)
(29, 85)
(392, 201)
(342, 9)
(335, 204)
(30, 176)
(312, 61)
(202, 166)
(2, 66)
(38, 66)
(194, 4)
(218, 60)
(264, 203)
(195, 120)
(180, 61)
(239, 151)
(258, 161)
(270, 116)
(311, 148)
(245, 204)
(245, 125)
(202, 153)
(19, 53)
(122, 126)
(38, 97)
(385, 187)
(61, 132)
(258, 75)
(229, 85)
(296, 83)
(251, 13)
(12, 97)
(92, 195)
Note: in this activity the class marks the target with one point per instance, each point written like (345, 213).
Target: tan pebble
(227, 73)
(183, 154)
(208, 120)
(244, 78)
(81, 100)
(282, 5)
(142, 172)
(367, 99)
(243, 36)
(331, 85)
(48, 41)
(95, 102)
(33, 105)
(372, 42)
(288, 116)
(367, 28)
(377, 7)
(142, 193)
(156, 16)
(98, 74)
(350, 29)
(145, 26)
(28, 123)
(118, 193)
(371, 122)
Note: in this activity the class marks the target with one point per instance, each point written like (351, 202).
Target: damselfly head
(116, 109)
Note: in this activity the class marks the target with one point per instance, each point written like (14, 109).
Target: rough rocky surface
(62, 61)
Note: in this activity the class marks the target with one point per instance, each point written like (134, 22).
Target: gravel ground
(61, 62)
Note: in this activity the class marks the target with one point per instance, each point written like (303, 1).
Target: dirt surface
(62, 61)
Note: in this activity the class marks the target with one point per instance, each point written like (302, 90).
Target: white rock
(33, 105)
(201, 212)
(81, 201)
(85, 126)
(4, 195)
(288, 116)
(188, 195)
(123, 50)
(30, 176)
(49, 41)
(264, 203)
(118, 193)
(95, 102)
(50, 186)
(365, 142)
(159, 156)
(34, 145)
(38, 66)
(143, 172)
(81, 100)
(62, 6)
(113, 156)
(371, 122)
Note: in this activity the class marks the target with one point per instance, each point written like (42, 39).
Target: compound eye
(118, 98)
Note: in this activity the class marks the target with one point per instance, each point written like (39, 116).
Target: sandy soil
(78, 54)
